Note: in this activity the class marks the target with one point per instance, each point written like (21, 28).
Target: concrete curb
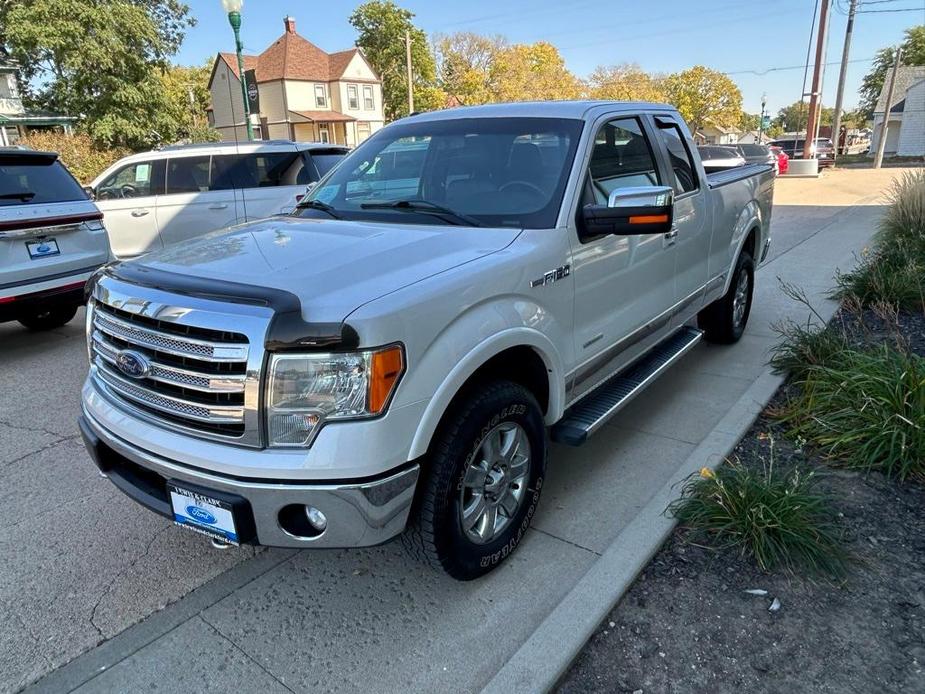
(546, 656)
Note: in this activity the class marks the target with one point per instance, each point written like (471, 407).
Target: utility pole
(408, 66)
(885, 127)
(812, 122)
(839, 95)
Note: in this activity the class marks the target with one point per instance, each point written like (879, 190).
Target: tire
(724, 320)
(446, 530)
(50, 318)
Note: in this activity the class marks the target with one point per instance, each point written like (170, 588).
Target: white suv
(154, 199)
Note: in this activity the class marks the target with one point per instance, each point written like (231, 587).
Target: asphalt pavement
(82, 563)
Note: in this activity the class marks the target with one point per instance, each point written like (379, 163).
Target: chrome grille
(196, 377)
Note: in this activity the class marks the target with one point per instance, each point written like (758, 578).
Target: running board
(592, 412)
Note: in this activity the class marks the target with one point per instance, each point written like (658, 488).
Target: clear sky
(744, 38)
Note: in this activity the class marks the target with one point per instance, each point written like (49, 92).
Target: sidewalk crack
(568, 542)
(245, 654)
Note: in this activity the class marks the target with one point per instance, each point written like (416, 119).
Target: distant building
(717, 135)
(15, 121)
(906, 123)
(298, 92)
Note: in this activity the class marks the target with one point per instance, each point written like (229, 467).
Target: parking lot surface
(82, 563)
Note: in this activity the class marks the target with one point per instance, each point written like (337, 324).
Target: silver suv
(51, 240)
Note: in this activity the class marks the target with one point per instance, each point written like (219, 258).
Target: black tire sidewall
(503, 402)
(747, 265)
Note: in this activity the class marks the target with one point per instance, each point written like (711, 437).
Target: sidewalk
(348, 620)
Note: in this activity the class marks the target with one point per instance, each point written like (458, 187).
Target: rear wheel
(483, 480)
(49, 318)
(725, 319)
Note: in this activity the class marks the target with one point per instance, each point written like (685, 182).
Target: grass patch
(778, 519)
(894, 271)
(864, 410)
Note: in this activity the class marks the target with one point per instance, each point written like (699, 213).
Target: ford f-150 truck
(393, 357)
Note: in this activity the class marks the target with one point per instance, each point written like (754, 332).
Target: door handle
(139, 213)
(219, 206)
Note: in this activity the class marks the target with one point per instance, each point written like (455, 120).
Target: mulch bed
(687, 624)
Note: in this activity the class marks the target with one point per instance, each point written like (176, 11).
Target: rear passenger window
(622, 158)
(187, 175)
(256, 170)
(685, 180)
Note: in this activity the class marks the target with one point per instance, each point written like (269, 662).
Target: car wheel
(725, 319)
(482, 482)
(49, 318)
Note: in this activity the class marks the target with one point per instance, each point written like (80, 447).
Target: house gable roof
(293, 57)
(906, 77)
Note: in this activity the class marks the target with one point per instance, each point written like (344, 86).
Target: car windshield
(717, 153)
(29, 179)
(325, 161)
(475, 171)
(754, 150)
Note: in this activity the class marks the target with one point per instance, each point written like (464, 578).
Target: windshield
(325, 161)
(486, 172)
(29, 179)
(754, 150)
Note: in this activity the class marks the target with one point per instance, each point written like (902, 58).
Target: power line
(791, 67)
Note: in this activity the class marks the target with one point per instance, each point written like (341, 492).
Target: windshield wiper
(318, 205)
(424, 206)
(25, 196)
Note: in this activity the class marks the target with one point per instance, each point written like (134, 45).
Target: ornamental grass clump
(864, 410)
(894, 271)
(779, 519)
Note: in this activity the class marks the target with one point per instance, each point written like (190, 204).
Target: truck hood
(332, 266)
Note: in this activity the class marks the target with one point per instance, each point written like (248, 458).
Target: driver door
(127, 200)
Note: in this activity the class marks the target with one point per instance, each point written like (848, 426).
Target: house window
(362, 132)
(6, 91)
(321, 99)
(353, 98)
(368, 102)
(323, 133)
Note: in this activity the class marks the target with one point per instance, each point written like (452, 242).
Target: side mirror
(90, 192)
(631, 212)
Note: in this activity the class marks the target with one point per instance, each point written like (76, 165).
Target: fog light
(316, 518)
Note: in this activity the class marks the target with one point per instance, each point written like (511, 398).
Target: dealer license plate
(42, 249)
(203, 514)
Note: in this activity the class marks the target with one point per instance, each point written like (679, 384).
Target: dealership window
(321, 99)
(353, 98)
(368, 102)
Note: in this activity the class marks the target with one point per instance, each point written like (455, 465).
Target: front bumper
(359, 513)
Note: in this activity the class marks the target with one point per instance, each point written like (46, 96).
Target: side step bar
(592, 412)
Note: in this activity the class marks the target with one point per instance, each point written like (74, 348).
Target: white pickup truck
(394, 356)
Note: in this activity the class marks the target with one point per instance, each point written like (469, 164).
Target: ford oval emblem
(133, 364)
(200, 514)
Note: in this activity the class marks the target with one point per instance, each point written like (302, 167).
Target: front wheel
(49, 318)
(724, 320)
(483, 480)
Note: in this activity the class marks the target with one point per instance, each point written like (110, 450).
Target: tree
(913, 46)
(466, 65)
(186, 97)
(97, 60)
(704, 96)
(626, 82)
(382, 26)
(793, 118)
(532, 72)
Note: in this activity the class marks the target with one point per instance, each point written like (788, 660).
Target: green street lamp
(233, 8)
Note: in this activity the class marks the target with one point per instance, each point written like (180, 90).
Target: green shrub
(865, 410)
(778, 519)
(78, 152)
(804, 346)
(894, 271)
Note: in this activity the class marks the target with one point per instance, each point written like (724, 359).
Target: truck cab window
(622, 158)
(685, 178)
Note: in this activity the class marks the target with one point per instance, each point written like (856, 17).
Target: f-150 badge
(551, 276)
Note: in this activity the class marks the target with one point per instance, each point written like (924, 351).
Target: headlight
(306, 390)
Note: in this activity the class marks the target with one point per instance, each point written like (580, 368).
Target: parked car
(718, 158)
(51, 239)
(783, 161)
(757, 154)
(391, 356)
(155, 199)
(822, 149)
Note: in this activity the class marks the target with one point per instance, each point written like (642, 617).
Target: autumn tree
(382, 26)
(97, 60)
(533, 72)
(793, 118)
(704, 96)
(913, 53)
(466, 66)
(625, 82)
